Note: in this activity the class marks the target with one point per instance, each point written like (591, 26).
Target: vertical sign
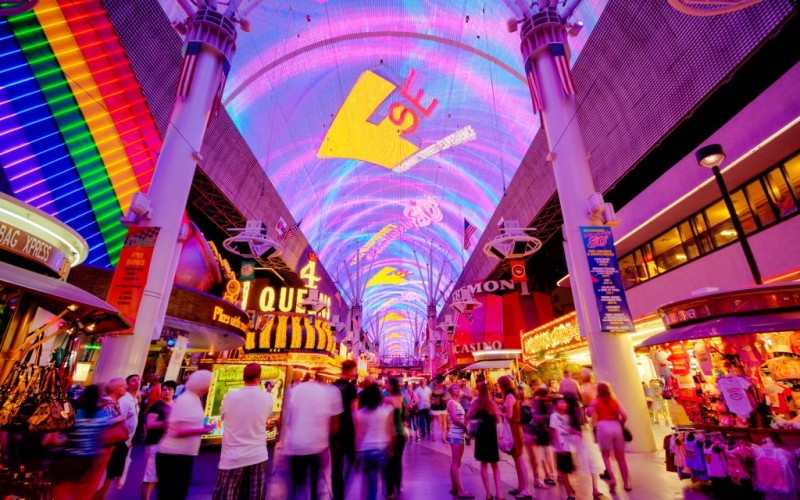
(130, 277)
(615, 316)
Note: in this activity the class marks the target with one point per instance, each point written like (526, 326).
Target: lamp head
(710, 156)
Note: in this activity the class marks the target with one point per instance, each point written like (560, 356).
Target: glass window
(641, 267)
(792, 167)
(760, 203)
(649, 260)
(779, 193)
(703, 237)
(689, 241)
(668, 250)
(742, 207)
(627, 267)
(720, 225)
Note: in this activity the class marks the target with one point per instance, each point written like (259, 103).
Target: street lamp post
(712, 156)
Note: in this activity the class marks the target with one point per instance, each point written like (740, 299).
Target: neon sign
(423, 212)
(389, 276)
(353, 136)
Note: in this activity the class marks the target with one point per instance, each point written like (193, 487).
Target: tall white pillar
(612, 354)
(203, 73)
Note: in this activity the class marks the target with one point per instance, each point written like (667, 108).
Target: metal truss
(206, 197)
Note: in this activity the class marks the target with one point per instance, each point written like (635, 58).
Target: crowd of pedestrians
(548, 432)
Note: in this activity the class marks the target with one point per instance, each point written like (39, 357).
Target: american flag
(469, 230)
(187, 71)
(564, 73)
(290, 232)
(533, 85)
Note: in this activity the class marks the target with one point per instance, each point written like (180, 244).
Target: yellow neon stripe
(86, 93)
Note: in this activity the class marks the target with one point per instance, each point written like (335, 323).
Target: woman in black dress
(483, 412)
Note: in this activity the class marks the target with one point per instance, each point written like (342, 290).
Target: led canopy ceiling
(388, 127)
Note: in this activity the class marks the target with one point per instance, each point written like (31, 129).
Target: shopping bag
(505, 438)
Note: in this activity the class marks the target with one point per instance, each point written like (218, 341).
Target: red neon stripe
(122, 96)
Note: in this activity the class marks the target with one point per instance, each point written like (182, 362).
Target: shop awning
(490, 364)
(730, 325)
(55, 295)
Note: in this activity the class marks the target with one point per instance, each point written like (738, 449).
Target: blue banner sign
(615, 316)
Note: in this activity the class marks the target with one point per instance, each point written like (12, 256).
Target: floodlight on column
(253, 242)
(313, 301)
(513, 242)
(463, 301)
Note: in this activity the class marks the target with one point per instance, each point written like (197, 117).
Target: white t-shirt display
(187, 413)
(310, 408)
(736, 395)
(244, 439)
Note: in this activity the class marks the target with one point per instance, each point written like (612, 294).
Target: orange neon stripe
(84, 88)
(106, 58)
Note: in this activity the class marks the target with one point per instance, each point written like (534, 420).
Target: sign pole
(546, 54)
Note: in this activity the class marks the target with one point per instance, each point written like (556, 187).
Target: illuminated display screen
(360, 112)
(384, 125)
(77, 139)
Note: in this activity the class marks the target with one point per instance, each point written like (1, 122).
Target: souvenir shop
(731, 362)
(289, 347)
(43, 322)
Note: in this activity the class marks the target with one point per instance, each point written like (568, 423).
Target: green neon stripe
(77, 136)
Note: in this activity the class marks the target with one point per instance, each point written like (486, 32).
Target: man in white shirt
(312, 416)
(243, 460)
(424, 395)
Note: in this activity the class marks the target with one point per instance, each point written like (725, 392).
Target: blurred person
(181, 442)
(114, 456)
(510, 409)
(243, 458)
(374, 427)
(424, 393)
(78, 462)
(455, 436)
(483, 411)
(269, 386)
(609, 417)
(413, 412)
(156, 418)
(394, 465)
(439, 408)
(129, 409)
(587, 456)
(562, 432)
(343, 445)
(569, 385)
(311, 420)
(538, 440)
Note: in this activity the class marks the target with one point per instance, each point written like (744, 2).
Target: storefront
(37, 305)
(731, 362)
(289, 347)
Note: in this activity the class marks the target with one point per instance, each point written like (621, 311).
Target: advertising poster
(130, 276)
(229, 377)
(615, 316)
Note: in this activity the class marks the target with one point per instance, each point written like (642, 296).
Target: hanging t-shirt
(735, 391)
(703, 356)
(715, 460)
(774, 470)
(694, 457)
(776, 395)
(678, 451)
(737, 463)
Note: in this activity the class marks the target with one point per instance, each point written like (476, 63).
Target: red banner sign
(130, 277)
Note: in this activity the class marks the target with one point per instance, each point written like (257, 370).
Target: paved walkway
(426, 476)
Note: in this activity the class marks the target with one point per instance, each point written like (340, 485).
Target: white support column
(612, 354)
(169, 190)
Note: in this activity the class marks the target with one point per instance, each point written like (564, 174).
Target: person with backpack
(537, 438)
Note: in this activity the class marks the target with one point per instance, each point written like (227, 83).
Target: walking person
(156, 418)
(423, 393)
(112, 461)
(609, 418)
(243, 459)
(413, 412)
(537, 439)
(343, 446)
(562, 433)
(129, 408)
(569, 385)
(181, 442)
(439, 408)
(511, 410)
(587, 456)
(311, 420)
(394, 465)
(456, 435)
(374, 429)
(483, 410)
(76, 463)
